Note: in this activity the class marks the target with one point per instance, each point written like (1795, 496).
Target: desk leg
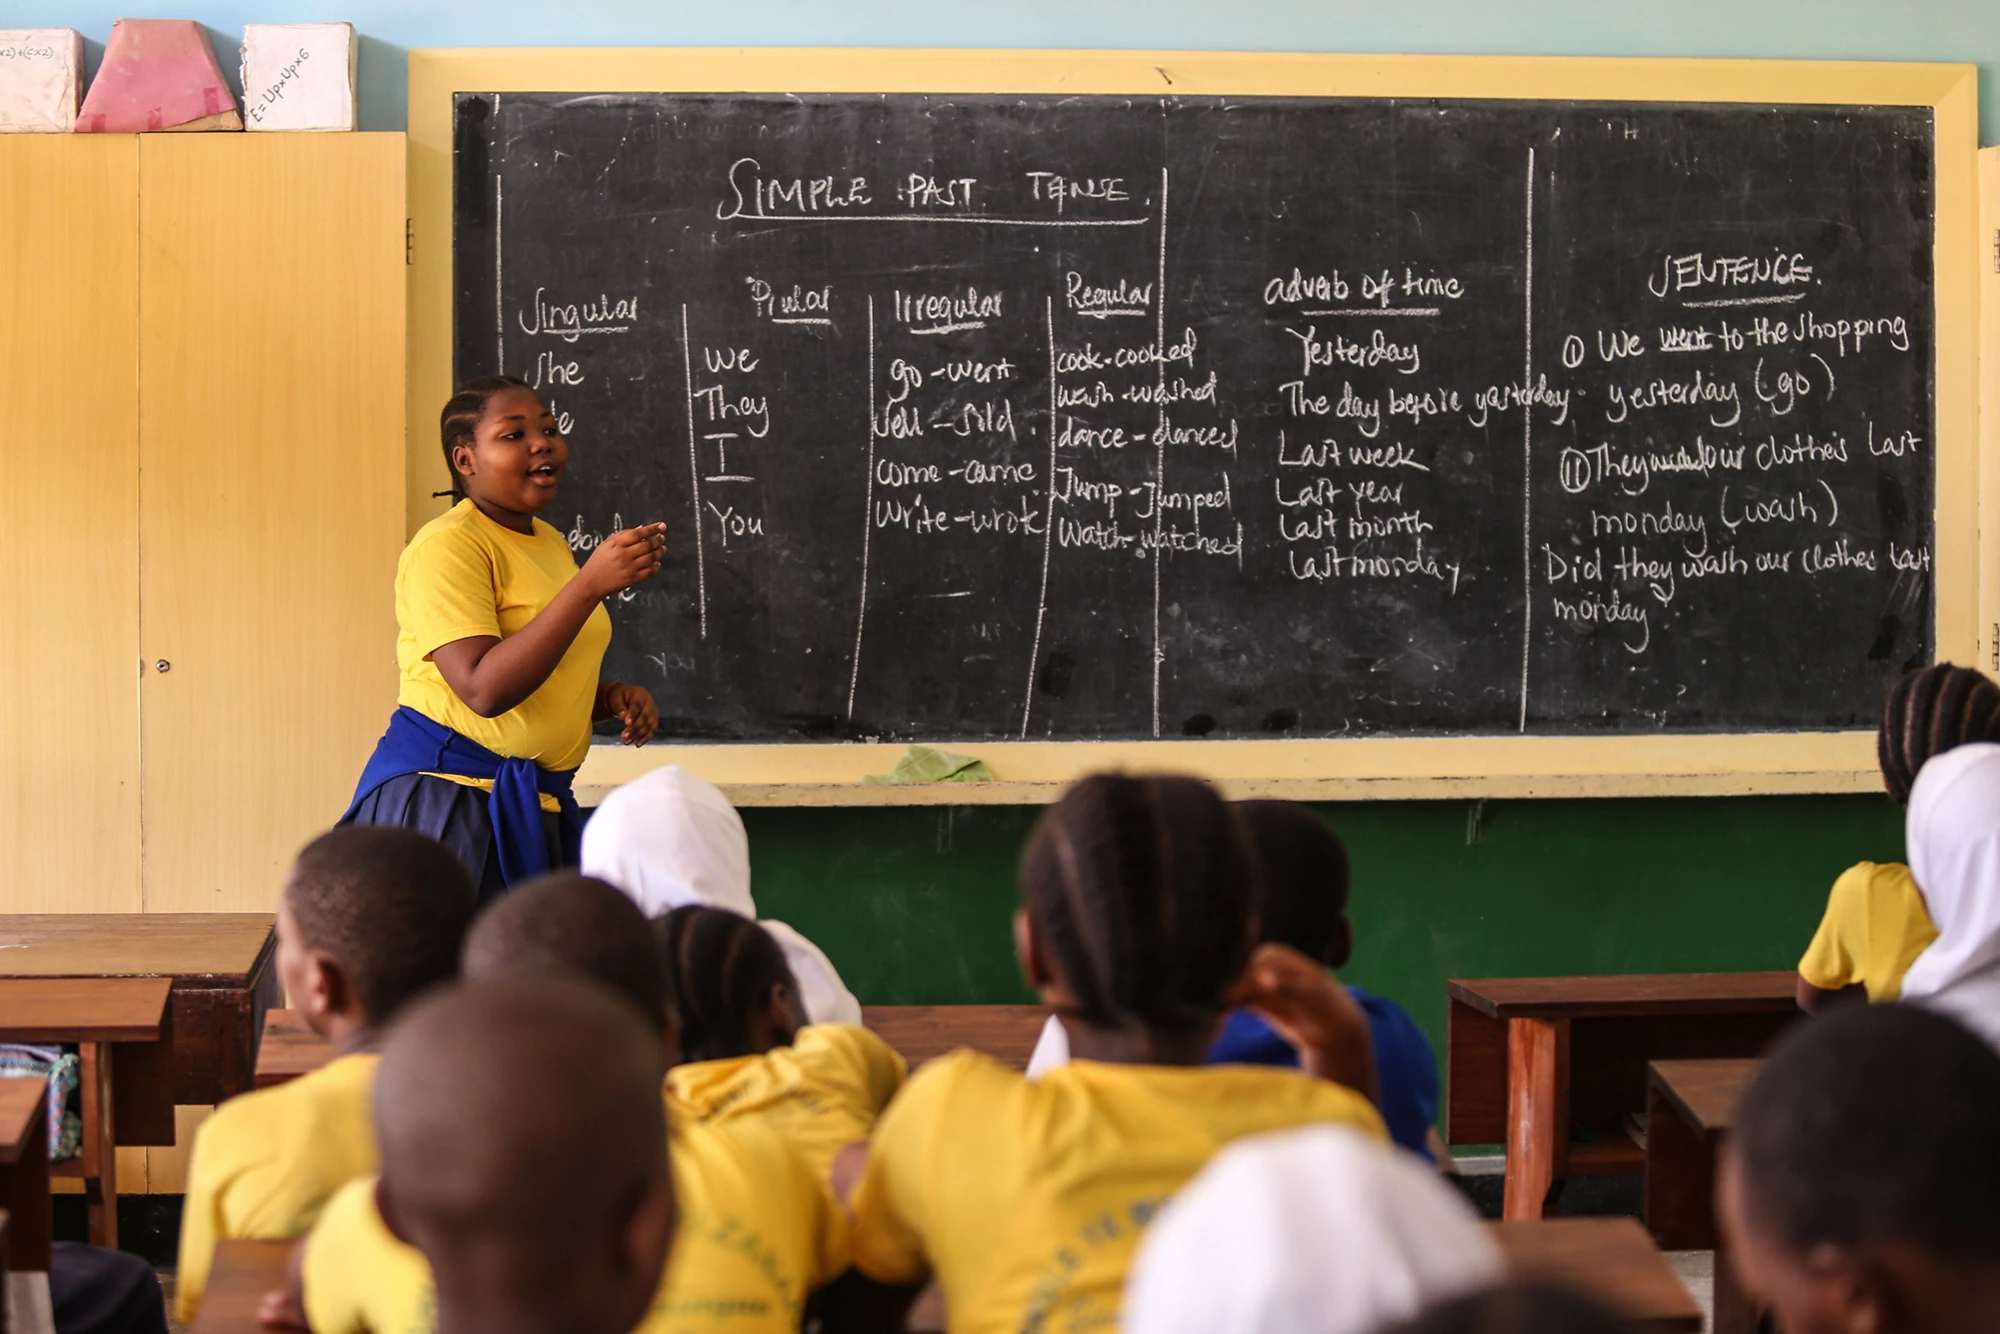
(100, 1156)
(24, 1194)
(1537, 1112)
(1680, 1179)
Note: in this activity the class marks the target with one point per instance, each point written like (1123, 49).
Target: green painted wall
(913, 904)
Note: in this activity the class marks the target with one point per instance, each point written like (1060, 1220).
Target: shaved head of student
(524, 1152)
(1861, 1186)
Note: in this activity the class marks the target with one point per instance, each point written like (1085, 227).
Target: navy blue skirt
(456, 816)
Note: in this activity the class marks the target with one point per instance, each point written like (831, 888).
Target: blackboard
(1110, 417)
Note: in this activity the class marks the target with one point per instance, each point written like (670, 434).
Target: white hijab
(670, 839)
(1953, 833)
(1314, 1231)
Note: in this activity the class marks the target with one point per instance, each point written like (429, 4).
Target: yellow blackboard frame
(1469, 766)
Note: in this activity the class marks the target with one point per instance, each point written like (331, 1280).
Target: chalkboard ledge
(1371, 769)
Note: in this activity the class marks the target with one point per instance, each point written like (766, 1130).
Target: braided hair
(721, 970)
(460, 418)
(1927, 713)
(1145, 891)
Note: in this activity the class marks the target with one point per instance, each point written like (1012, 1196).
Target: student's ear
(1342, 947)
(1850, 1294)
(1035, 970)
(328, 992)
(462, 460)
(785, 1013)
(648, 1234)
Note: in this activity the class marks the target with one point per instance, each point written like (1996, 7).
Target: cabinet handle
(163, 666)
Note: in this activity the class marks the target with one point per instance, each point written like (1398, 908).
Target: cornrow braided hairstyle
(721, 970)
(460, 418)
(1927, 713)
(1145, 891)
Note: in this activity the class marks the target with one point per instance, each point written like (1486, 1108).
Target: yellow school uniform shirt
(464, 575)
(1876, 925)
(758, 1233)
(1026, 1198)
(266, 1162)
(824, 1091)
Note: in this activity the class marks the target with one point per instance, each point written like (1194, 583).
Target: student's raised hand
(1313, 1012)
(631, 705)
(628, 557)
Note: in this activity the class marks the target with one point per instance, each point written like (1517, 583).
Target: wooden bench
(242, 1272)
(1690, 1108)
(24, 1175)
(1611, 1259)
(1007, 1033)
(224, 978)
(121, 1029)
(1555, 1067)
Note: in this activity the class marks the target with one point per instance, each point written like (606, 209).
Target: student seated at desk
(670, 839)
(524, 1153)
(1859, 1182)
(1320, 1230)
(1876, 921)
(1304, 905)
(368, 918)
(760, 1232)
(1026, 1197)
(748, 1050)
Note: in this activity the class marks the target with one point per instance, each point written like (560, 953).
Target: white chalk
(41, 80)
(299, 76)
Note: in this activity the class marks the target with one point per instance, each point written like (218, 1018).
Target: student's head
(564, 922)
(369, 917)
(501, 444)
(1927, 713)
(524, 1152)
(1304, 878)
(1517, 1308)
(1860, 1183)
(732, 990)
(670, 839)
(1139, 906)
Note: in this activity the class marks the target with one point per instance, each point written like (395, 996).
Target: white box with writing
(299, 76)
(41, 80)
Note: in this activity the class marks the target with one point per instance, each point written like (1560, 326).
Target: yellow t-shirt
(1875, 926)
(265, 1163)
(824, 1091)
(1026, 1197)
(464, 575)
(758, 1233)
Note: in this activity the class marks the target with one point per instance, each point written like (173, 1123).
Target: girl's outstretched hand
(1313, 1012)
(631, 705)
(628, 557)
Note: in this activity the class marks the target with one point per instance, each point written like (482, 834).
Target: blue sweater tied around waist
(415, 744)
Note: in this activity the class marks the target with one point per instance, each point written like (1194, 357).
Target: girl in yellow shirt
(500, 637)
(747, 1050)
(1026, 1198)
(1876, 921)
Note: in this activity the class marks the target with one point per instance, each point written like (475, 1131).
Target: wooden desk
(224, 978)
(1007, 1033)
(24, 1175)
(1690, 1107)
(1554, 1066)
(1611, 1259)
(242, 1273)
(106, 1017)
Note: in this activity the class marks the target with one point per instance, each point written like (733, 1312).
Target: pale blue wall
(1957, 30)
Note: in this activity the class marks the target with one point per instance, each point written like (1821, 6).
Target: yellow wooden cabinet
(203, 337)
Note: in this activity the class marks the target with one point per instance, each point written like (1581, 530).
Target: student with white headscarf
(670, 839)
(1953, 833)
(1313, 1231)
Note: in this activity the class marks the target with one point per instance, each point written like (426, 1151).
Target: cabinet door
(271, 271)
(69, 508)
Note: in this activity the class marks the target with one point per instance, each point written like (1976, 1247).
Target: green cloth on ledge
(922, 764)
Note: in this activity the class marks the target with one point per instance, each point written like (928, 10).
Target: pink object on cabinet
(158, 74)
